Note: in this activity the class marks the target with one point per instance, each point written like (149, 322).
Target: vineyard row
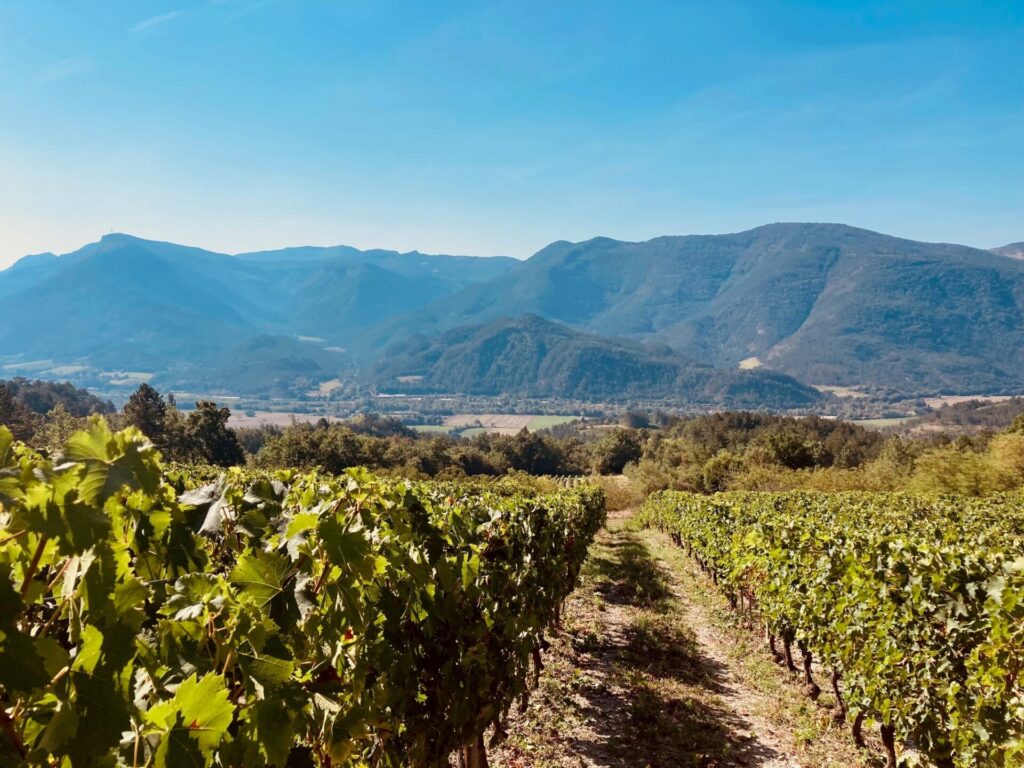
(154, 618)
(914, 605)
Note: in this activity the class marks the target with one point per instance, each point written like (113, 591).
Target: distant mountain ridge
(136, 304)
(827, 304)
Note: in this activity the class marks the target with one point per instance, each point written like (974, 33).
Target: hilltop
(532, 357)
(1013, 250)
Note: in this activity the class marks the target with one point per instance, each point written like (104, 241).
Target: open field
(938, 402)
(470, 424)
(262, 418)
(325, 388)
(841, 391)
(466, 423)
(544, 422)
(882, 423)
(496, 421)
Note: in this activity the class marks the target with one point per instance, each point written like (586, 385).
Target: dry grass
(511, 423)
(620, 492)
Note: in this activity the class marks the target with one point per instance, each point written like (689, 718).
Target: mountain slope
(1013, 250)
(826, 303)
(133, 304)
(340, 299)
(274, 366)
(532, 357)
(124, 306)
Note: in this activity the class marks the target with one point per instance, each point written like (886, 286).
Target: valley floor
(651, 670)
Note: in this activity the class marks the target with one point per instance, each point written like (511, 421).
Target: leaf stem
(12, 537)
(8, 726)
(33, 565)
(55, 579)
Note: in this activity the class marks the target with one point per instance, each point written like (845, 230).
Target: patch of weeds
(628, 575)
(587, 643)
(645, 706)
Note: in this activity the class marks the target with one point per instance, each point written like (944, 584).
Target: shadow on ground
(652, 696)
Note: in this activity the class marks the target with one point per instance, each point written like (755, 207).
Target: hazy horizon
(497, 128)
(298, 245)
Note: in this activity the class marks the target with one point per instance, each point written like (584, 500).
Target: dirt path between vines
(648, 671)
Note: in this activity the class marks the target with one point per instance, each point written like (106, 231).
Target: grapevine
(914, 603)
(266, 618)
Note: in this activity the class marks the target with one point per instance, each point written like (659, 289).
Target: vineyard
(913, 606)
(177, 617)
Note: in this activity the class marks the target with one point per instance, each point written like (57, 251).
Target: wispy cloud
(154, 21)
(65, 68)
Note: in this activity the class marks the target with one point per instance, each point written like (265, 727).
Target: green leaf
(270, 726)
(191, 725)
(95, 442)
(21, 666)
(300, 523)
(6, 445)
(470, 569)
(103, 713)
(260, 575)
(60, 730)
(90, 649)
(344, 547)
(269, 671)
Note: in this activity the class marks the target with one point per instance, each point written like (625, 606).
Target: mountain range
(250, 323)
(826, 304)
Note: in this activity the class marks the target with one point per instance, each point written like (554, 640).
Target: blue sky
(497, 127)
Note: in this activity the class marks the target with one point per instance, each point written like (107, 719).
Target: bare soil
(649, 671)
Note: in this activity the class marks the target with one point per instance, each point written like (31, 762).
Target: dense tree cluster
(333, 447)
(30, 408)
(202, 436)
(748, 451)
(41, 397)
(975, 414)
(17, 418)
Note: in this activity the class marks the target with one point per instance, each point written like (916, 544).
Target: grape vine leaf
(192, 724)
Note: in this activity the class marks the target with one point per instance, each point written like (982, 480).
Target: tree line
(704, 454)
(762, 452)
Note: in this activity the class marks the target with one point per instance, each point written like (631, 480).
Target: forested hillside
(533, 357)
(827, 303)
(41, 397)
(125, 303)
